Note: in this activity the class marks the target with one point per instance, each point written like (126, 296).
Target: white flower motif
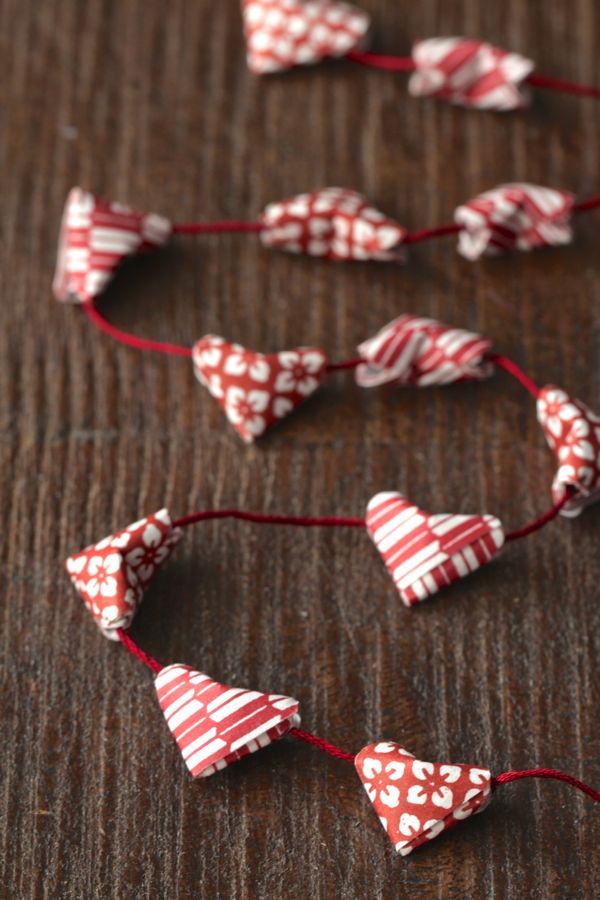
(555, 408)
(431, 791)
(243, 410)
(299, 371)
(148, 555)
(409, 825)
(379, 777)
(102, 570)
(241, 361)
(281, 407)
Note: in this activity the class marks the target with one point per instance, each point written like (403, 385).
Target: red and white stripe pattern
(470, 73)
(422, 352)
(514, 217)
(416, 800)
(424, 552)
(112, 575)
(573, 433)
(336, 223)
(216, 725)
(95, 237)
(285, 33)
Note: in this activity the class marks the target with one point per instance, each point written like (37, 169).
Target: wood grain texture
(151, 103)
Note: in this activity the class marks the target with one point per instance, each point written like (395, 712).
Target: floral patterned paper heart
(423, 352)
(113, 574)
(285, 33)
(424, 552)
(417, 800)
(573, 433)
(256, 390)
(95, 238)
(214, 724)
(336, 223)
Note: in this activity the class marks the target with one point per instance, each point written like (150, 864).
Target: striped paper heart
(469, 73)
(417, 800)
(424, 552)
(256, 390)
(514, 217)
(335, 223)
(573, 433)
(423, 352)
(285, 33)
(95, 237)
(216, 725)
(112, 575)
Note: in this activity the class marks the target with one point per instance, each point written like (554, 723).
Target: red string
(135, 650)
(131, 340)
(320, 743)
(513, 369)
(507, 777)
(231, 226)
(266, 518)
(406, 64)
(539, 522)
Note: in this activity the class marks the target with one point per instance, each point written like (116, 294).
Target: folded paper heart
(424, 552)
(337, 223)
(416, 351)
(285, 33)
(514, 217)
(113, 574)
(417, 800)
(256, 390)
(469, 73)
(573, 433)
(216, 725)
(95, 237)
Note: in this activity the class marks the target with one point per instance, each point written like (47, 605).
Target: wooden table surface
(152, 104)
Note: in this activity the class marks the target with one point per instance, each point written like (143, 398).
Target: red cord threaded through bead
(507, 777)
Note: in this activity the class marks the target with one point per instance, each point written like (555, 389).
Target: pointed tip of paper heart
(112, 575)
(256, 390)
(425, 553)
(415, 800)
(215, 724)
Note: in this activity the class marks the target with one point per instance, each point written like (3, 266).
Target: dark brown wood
(151, 103)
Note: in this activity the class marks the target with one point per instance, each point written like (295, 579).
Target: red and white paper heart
(256, 390)
(95, 237)
(469, 73)
(417, 800)
(285, 33)
(214, 724)
(416, 351)
(113, 574)
(514, 217)
(423, 552)
(336, 223)
(573, 433)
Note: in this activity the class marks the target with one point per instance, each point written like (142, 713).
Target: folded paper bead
(95, 237)
(416, 351)
(256, 390)
(469, 73)
(285, 33)
(337, 223)
(514, 217)
(573, 433)
(423, 552)
(216, 725)
(415, 800)
(112, 575)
